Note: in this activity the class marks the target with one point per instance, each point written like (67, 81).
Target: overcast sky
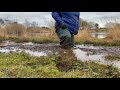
(42, 17)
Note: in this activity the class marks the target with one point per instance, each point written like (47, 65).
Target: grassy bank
(112, 39)
(21, 65)
(112, 58)
(20, 33)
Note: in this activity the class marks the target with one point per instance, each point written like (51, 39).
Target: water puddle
(13, 49)
(92, 53)
(86, 56)
(30, 43)
(81, 52)
(99, 35)
(36, 53)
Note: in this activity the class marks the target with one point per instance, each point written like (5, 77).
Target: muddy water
(81, 52)
(97, 54)
(86, 53)
(85, 56)
(13, 49)
(99, 35)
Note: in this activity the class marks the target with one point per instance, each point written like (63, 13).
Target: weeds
(112, 58)
(21, 65)
(20, 33)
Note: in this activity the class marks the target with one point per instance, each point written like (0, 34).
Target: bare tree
(34, 24)
(27, 23)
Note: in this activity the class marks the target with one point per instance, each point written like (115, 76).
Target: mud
(81, 52)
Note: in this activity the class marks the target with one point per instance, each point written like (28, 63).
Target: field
(20, 33)
(61, 65)
(16, 65)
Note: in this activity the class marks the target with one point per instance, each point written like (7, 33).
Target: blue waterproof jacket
(71, 19)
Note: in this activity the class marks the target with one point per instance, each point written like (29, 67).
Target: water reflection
(99, 35)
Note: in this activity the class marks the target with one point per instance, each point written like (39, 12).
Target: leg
(65, 37)
(72, 41)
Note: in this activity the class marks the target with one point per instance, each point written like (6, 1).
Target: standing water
(82, 52)
(99, 35)
(92, 53)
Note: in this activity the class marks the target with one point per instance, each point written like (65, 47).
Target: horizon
(42, 17)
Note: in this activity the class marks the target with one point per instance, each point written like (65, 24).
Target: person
(66, 26)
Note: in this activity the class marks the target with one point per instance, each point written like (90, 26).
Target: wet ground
(81, 52)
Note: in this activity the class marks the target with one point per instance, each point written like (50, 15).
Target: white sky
(41, 17)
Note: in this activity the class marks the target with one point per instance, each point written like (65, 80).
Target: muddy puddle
(81, 52)
(97, 54)
(18, 50)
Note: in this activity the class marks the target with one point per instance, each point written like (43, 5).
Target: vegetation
(20, 33)
(21, 65)
(112, 58)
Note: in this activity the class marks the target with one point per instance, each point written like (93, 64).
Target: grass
(112, 58)
(99, 42)
(113, 38)
(21, 65)
(20, 33)
(114, 34)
